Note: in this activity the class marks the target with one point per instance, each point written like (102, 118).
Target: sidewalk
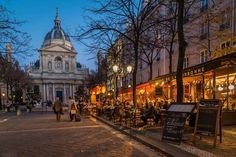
(2, 111)
(152, 137)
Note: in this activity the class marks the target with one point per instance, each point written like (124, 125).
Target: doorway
(60, 95)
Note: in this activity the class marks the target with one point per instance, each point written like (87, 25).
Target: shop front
(97, 93)
(215, 79)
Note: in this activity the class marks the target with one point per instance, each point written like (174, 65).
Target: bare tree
(128, 19)
(10, 33)
(151, 45)
(14, 77)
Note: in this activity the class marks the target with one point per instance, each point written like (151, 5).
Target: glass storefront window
(226, 91)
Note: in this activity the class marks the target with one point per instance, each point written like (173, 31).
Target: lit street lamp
(3, 96)
(120, 72)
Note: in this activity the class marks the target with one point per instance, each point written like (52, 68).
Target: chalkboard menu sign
(208, 120)
(174, 127)
(207, 116)
(175, 121)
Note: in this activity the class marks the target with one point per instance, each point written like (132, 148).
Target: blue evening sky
(39, 16)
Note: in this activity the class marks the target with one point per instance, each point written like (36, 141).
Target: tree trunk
(182, 48)
(150, 72)
(134, 75)
(7, 91)
(11, 89)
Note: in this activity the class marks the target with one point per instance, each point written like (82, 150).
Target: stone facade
(57, 74)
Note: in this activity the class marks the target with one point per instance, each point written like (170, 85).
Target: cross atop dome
(57, 20)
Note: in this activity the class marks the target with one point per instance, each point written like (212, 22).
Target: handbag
(73, 111)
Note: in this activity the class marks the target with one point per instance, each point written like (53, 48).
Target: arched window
(58, 63)
(67, 66)
(49, 65)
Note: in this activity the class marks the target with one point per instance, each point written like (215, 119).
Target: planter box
(229, 118)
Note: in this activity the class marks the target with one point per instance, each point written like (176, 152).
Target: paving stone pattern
(40, 135)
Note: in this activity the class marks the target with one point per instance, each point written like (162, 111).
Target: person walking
(73, 110)
(70, 101)
(57, 106)
(80, 105)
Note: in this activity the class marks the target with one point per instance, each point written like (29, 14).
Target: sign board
(208, 121)
(174, 127)
(175, 121)
(158, 91)
(210, 103)
(183, 107)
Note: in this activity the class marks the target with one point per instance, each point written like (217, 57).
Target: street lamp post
(119, 71)
(3, 96)
(115, 69)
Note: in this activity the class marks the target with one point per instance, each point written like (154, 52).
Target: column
(214, 85)
(71, 94)
(169, 91)
(73, 90)
(53, 92)
(203, 86)
(44, 92)
(46, 86)
(64, 93)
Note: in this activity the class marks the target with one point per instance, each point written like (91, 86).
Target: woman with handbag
(73, 110)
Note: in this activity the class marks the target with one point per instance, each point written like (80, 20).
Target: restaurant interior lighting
(220, 88)
(231, 87)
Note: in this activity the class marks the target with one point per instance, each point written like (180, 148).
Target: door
(60, 95)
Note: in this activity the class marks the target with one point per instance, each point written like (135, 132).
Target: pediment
(57, 48)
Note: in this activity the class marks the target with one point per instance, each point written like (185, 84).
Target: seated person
(149, 113)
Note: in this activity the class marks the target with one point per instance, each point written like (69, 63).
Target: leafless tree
(151, 45)
(128, 18)
(10, 33)
(13, 76)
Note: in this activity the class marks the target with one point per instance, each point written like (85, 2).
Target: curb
(135, 137)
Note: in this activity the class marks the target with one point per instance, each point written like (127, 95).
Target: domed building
(56, 73)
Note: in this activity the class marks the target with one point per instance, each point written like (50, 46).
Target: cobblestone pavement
(39, 135)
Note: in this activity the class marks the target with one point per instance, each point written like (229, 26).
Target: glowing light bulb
(231, 87)
(220, 88)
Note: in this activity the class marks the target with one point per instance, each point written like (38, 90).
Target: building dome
(57, 36)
